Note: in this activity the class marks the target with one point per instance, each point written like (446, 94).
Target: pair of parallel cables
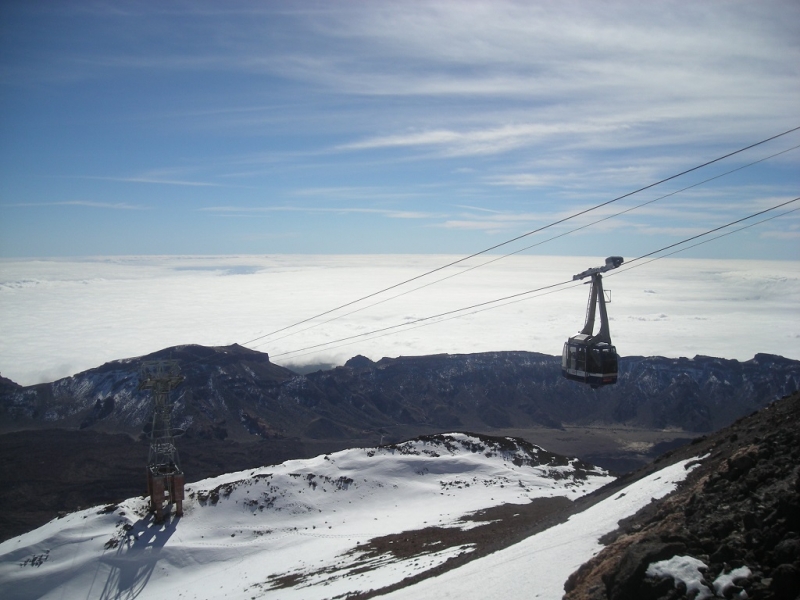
(524, 235)
(498, 302)
(488, 305)
(538, 292)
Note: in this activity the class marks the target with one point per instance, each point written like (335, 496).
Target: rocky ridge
(237, 393)
(736, 518)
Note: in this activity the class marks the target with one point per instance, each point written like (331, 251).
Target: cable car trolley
(590, 358)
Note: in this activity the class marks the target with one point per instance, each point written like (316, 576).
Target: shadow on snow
(135, 559)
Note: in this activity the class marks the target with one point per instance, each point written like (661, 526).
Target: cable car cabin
(592, 363)
(592, 358)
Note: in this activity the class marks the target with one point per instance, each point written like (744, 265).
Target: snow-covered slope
(539, 566)
(308, 528)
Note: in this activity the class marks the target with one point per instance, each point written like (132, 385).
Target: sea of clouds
(62, 316)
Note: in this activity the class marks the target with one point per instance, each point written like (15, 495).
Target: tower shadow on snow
(132, 565)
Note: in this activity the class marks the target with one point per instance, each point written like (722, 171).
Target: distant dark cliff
(233, 392)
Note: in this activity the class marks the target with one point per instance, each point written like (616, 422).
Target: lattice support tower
(165, 479)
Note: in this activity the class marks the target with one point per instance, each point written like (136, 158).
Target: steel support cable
(623, 270)
(421, 319)
(554, 291)
(489, 304)
(488, 262)
(783, 214)
(699, 235)
(451, 317)
(524, 235)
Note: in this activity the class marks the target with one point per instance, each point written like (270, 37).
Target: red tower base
(164, 491)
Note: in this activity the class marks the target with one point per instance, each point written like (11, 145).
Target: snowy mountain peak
(315, 528)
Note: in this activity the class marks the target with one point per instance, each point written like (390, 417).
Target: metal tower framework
(165, 479)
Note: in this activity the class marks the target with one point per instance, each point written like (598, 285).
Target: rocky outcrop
(737, 518)
(7, 386)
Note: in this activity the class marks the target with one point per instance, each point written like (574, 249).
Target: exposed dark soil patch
(484, 531)
(493, 523)
(498, 527)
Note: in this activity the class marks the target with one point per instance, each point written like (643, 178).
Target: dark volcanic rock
(238, 393)
(7, 386)
(739, 508)
(219, 383)
(629, 580)
(521, 389)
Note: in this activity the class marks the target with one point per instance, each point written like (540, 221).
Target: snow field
(286, 531)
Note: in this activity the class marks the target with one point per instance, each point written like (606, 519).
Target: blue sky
(391, 127)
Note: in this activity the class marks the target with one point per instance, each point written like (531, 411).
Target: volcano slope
(345, 524)
(731, 530)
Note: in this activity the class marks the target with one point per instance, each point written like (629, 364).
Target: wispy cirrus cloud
(493, 221)
(489, 140)
(399, 110)
(158, 181)
(82, 203)
(363, 193)
(523, 180)
(341, 210)
(792, 234)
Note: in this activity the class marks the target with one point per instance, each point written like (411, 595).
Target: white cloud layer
(59, 317)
